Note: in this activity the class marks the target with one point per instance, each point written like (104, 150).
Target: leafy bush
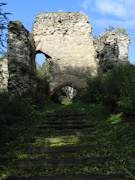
(116, 89)
(17, 116)
(94, 92)
(20, 115)
(126, 102)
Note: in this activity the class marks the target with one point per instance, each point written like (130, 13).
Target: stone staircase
(64, 140)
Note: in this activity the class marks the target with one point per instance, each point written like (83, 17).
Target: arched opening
(64, 94)
(42, 64)
(40, 59)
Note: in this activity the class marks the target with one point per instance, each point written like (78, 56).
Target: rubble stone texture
(112, 50)
(21, 55)
(3, 75)
(65, 38)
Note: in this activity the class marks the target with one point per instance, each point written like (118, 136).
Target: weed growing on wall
(121, 29)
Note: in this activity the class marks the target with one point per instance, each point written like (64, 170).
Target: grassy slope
(117, 133)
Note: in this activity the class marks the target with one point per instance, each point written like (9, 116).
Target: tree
(3, 26)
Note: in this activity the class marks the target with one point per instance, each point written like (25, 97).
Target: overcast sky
(101, 13)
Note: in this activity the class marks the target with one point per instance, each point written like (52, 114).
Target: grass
(110, 106)
(118, 136)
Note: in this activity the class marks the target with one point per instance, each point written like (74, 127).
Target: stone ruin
(73, 55)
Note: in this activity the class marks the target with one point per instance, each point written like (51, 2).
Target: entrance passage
(64, 95)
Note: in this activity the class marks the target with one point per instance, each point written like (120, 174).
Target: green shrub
(94, 92)
(17, 116)
(20, 115)
(126, 102)
(116, 89)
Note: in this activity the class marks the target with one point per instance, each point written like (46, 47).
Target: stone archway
(63, 85)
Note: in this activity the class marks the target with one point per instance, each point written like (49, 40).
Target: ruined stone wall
(21, 58)
(66, 40)
(112, 50)
(3, 75)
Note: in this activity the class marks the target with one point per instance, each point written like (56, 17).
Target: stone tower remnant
(65, 38)
(112, 50)
(21, 58)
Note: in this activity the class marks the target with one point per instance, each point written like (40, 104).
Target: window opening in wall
(42, 65)
(65, 95)
(40, 59)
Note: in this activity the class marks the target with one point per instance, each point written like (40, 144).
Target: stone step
(62, 127)
(67, 115)
(60, 149)
(66, 122)
(72, 139)
(66, 132)
(68, 118)
(72, 177)
(60, 162)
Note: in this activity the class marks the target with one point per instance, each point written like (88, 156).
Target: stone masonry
(3, 75)
(65, 39)
(112, 50)
(21, 58)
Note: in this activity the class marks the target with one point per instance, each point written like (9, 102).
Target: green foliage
(44, 70)
(115, 89)
(121, 29)
(19, 120)
(95, 91)
(56, 96)
(116, 137)
(17, 115)
(60, 21)
(126, 101)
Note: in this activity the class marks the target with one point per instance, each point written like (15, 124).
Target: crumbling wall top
(112, 49)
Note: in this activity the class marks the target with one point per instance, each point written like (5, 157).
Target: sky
(101, 13)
